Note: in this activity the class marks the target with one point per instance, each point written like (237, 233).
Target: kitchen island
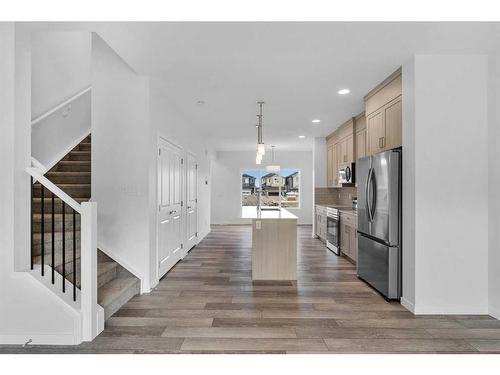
(274, 243)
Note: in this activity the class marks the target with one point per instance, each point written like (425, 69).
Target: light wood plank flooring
(208, 304)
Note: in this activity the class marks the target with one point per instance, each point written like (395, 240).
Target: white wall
(494, 187)
(226, 179)
(60, 68)
(319, 161)
(27, 310)
(450, 183)
(121, 162)
(54, 136)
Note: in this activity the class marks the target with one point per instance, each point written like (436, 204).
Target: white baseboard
(494, 312)
(39, 339)
(407, 305)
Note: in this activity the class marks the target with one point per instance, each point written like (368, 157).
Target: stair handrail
(38, 176)
(49, 112)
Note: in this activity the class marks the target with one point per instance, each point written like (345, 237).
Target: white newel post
(89, 270)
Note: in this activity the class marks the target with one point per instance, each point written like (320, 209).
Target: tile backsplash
(341, 196)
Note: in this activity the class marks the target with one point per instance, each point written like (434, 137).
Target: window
(270, 184)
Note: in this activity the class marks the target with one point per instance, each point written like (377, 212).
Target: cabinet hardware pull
(381, 142)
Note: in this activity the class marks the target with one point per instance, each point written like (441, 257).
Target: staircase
(72, 175)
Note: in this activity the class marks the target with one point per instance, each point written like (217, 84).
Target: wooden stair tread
(64, 185)
(117, 292)
(68, 173)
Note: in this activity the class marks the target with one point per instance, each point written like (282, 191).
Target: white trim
(36, 164)
(407, 305)
(88, 261)
(67, 150)
(495, 313)
(145, 287)
(54, 189)
(39, 339)
(36, 120)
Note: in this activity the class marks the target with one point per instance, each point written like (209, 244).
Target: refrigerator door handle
(373, 203)
(367, 195)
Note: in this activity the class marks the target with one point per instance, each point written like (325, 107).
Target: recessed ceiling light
(316, 121)
(200, 102)
(302, 136)
(344, 91)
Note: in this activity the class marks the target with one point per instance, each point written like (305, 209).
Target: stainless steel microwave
(347, 174)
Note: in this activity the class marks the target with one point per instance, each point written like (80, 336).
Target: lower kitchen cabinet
(320, 218)
(349, 236)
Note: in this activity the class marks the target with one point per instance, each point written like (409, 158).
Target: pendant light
(273, 167)
(261, 148)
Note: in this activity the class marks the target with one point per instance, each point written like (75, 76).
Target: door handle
(373, 203)
(189, 207)
(172, 212)
(367, 195)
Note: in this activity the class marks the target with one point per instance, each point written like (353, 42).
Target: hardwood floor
(208, 304)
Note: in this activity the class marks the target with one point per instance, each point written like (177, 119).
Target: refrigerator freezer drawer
(379, 265)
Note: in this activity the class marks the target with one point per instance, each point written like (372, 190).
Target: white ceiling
(296, 68)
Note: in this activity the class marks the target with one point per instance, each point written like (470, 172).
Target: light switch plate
(258, 224)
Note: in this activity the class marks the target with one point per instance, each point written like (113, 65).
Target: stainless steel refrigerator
(379, 222)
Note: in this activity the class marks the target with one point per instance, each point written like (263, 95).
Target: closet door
(170, 215)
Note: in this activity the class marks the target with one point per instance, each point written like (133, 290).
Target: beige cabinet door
(343, 151)
(345, 239)
(361, 144)
(354, 244)
(329, 166)
(375, 125)
(350, 149)
(346, 147)
(335, 163)
(393, 124)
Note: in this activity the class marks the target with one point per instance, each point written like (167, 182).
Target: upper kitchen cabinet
(384, 116)
(360, 136)
(340, 150)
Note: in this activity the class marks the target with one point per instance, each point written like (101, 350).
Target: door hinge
(195, 200)
(182, 246)
(182, 161)
(182, 203)
(196, 234)
(159, 208)
(159, 151)
(196, 166)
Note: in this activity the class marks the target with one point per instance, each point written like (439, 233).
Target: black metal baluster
(43, 230)
(31, 225)
(74, 255)
(53, 240)
(63, 246)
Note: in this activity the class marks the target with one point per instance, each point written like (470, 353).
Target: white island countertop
(250, 212)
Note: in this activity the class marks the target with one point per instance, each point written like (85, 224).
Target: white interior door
(191, 201)
(169, 206)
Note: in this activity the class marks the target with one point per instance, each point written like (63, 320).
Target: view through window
(270, 182)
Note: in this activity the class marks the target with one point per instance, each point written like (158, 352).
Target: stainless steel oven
(333, 230)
